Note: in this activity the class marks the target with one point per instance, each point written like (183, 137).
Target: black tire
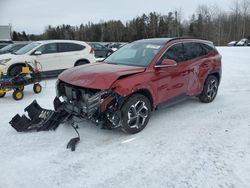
(82, 62)
(2, 94)
(18, 95)
(37, 88)
(138, 107)
(210, 89)
(16, 70)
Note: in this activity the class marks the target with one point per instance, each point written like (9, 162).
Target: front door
(49, 59)
(172, 81)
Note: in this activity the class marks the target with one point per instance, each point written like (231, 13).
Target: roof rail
(195, 38)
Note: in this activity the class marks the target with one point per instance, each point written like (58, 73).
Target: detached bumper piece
(39, 119)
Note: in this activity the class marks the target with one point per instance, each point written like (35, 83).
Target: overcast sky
(33, 15)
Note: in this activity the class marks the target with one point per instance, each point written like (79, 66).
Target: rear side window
(192, 50)
(206, 48)
(70, 47)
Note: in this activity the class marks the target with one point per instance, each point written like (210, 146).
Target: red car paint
(162, 84)
(97, 75)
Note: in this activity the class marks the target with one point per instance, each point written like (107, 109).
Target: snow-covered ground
(187, 145)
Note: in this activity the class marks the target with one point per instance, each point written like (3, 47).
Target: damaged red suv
(126, 87)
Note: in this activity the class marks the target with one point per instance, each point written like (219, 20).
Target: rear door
(70, 53)
(49, 58)
(195, 57)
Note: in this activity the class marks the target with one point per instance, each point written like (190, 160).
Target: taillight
(92, 51)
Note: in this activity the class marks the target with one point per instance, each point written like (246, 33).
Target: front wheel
(210, 89)
(18, 95)
(37, 88)
(135, 114)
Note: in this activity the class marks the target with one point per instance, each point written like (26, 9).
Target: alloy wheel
(137, 115)
(212, 89)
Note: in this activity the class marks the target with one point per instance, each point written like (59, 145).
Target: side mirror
(167, 63)
(38, 53)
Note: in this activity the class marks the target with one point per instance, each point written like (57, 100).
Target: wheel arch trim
(143, 91)
(17, 64)
(86, 60)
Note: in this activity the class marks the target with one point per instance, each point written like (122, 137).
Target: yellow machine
(18, 82)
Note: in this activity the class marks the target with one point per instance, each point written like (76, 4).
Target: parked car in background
(242, 42)
(232, 43)
(5, 43)
(12, 48)
(142, 76)
(53, 55)
(101, 51)
(115, 46)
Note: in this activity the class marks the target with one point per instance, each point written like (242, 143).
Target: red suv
(126, 87)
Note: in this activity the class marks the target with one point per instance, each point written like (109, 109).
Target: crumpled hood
(97, 75)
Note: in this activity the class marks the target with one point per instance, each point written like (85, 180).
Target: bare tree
(245, 4)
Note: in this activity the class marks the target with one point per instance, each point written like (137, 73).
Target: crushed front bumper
(99, 107)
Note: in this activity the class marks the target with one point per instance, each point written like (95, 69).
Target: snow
(187, 145)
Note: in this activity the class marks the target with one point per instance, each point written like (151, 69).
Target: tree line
(211, 23)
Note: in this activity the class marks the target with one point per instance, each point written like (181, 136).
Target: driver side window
(175, 53)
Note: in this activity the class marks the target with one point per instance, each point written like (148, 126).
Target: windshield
(27, 48)
(6, 48)
(135, 54)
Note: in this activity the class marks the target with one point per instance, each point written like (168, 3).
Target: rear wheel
(18, 95)
(210, 89)
(82, 62)
(135, 114)
(2, 94)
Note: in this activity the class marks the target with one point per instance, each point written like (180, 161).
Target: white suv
(53, 55)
